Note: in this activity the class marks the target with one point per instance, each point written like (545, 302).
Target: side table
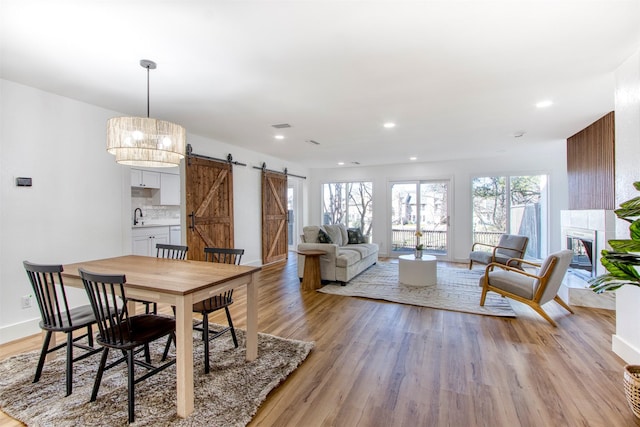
(311, 279)
(417, 271)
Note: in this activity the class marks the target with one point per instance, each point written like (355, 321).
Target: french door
(420, 206)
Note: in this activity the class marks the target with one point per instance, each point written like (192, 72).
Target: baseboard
(626, 351)
(19, 330)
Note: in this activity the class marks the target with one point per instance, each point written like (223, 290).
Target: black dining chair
(217, 302)
(57, 316)
(164, 250)
(119, 331)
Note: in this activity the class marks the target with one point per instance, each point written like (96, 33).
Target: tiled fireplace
(586, 232)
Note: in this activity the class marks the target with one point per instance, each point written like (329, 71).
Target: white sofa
(342, 261)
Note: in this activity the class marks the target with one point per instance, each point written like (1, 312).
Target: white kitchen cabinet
(169, 193)
(145, 179)
(144, 240)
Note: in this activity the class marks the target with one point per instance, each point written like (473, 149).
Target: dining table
(180, 283)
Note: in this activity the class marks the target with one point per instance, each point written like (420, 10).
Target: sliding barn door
(209, 202)
(274, 217)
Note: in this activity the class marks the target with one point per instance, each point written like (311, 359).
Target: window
(348, 203)
(513, 205)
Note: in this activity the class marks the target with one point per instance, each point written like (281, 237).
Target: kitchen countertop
(142, 224)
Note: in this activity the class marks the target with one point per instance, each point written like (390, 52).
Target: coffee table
(417, 271)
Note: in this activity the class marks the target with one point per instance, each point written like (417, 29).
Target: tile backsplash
(142, 198)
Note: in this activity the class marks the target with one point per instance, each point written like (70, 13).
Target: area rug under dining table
(456, 290)
(229, 395)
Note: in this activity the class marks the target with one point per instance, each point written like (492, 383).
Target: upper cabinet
(145, 179)
(169, 193)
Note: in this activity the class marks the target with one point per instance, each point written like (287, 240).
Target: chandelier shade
(143, 141)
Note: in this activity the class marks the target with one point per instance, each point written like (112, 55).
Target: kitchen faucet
(135, 216)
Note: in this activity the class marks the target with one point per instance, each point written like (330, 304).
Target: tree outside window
(349, 203)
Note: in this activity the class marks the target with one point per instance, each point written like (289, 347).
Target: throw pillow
(353, 235)
(323, 237)
(361, 238)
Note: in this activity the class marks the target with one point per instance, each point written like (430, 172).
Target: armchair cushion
(518, 243)
(518, 284)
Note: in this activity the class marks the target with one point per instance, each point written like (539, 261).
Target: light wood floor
(385, 364)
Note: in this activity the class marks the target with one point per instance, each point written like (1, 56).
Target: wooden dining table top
(179, 277)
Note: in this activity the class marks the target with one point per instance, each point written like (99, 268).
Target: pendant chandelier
(143, 141)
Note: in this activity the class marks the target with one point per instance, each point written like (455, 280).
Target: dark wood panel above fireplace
(590, 166)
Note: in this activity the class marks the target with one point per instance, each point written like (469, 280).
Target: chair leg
(43, 356)
(172, 337)
(69, 368)
(205, 338)
(542, 313)
(483, 296)
(147, 354)
(563, 304)
(233, 331)
(470, 263)
(131, 385)
(96, 383)
(90, 335)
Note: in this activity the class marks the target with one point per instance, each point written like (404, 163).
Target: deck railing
(435, 241)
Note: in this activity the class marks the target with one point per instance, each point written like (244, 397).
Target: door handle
(192, 215)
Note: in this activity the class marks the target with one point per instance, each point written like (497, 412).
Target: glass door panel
(403, 218)
(420, 205)
(434, 217)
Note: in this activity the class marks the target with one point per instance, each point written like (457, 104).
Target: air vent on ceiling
(355, 163)
(311, 141)
(281, 126)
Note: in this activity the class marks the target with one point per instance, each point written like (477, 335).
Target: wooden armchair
(509, 246)
(531, 289)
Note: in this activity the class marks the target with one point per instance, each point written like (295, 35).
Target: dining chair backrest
(105, 291)
(223, 255)
(48, 288)
(171, 251)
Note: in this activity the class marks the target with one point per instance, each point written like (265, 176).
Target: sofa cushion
(335, 232)
(347, 257)
(355, 236)
(364, 249)
(310, 233)
(323, 237)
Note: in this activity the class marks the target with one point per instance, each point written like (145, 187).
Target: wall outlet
(26, 301)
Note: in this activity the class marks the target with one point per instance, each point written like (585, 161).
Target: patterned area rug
(228, 396)
(457, 290)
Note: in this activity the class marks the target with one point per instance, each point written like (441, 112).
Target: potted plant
(622, 266)
(622, 260)
(419, 246)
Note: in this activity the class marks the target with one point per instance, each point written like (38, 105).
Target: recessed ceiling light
(389, 125)
(413, 158)
(279, 137)
(340, 163)
(544, 104)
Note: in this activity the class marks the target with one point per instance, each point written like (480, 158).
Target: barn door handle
(192, 215)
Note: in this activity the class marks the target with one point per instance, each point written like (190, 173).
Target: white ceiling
(458, 77)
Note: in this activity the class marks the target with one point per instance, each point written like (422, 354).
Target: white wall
(626, 341)
(72, 212)
(80, 204)
(548, 158)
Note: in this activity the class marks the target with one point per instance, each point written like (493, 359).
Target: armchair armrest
(523, 261)
(473, 247)
(491, 266)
